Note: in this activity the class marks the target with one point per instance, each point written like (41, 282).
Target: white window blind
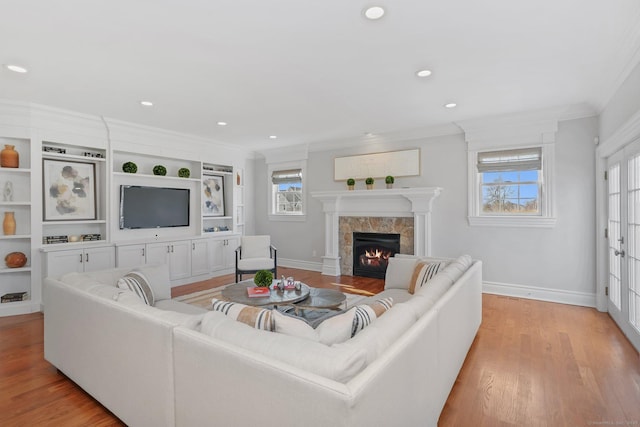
(510, 160)
(286, 176)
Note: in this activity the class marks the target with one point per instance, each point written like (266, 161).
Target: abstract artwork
(69, 190)
(213, 195)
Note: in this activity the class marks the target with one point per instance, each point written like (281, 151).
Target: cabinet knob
(142, 251)
(86, 257)
(80, 258)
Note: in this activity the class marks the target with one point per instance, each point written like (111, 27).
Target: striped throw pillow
(423, 272)
(256, 317)
(367, 313)
(139, 285)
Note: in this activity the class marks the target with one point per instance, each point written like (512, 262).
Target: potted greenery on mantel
(369, 182)
(389, 181)
(351, 184)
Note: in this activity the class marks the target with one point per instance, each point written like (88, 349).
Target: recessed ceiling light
(450, 105)
(222, 123)
(146, 103)
(272, 136)
(423, 73)
(374, 12)
(16, 68)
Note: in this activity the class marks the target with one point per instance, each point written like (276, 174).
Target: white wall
(554, 264)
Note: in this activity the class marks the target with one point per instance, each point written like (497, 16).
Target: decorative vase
(351, 187)
(238, 179)
(9, 224)
(9, 157)
(389, 185)
(369, 186)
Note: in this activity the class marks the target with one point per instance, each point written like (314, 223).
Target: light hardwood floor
(532, 364)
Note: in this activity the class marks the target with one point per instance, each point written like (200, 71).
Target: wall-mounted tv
(153, 207)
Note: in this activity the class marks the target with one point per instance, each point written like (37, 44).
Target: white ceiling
(314, 71)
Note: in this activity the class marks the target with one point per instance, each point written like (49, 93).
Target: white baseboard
(543, 294)
(302, 265)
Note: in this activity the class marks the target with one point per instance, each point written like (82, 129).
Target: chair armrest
(272, 250)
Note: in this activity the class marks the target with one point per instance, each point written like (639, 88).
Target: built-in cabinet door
(62, 262)
(131, 255)
(230, 252)
(180, 259)
(199, 257)
(99, 258)
(216, 254)
(158, 253)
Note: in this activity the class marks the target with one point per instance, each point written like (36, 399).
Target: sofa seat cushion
(181, 307)
(338, 364)
(174, 318)
(256, 264)
(382, 333)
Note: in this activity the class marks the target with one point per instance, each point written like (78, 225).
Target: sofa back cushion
(339, 364)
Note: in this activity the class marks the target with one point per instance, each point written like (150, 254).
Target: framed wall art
(378, 165)
(69, 190)
(213, 195)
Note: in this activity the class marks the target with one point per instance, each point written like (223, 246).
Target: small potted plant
(369, 182)
(130, 167)
(351, 184)
(184, 173)
(389, 181)
(263, 278)
(159, 170)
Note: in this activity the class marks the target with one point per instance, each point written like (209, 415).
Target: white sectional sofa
(172, 364)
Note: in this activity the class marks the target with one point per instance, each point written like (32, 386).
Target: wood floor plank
(532, 363)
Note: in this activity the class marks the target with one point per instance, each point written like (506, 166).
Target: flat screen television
(153, 207)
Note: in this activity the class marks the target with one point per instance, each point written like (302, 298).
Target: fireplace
(371, 253)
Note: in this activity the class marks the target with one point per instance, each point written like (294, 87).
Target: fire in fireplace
(371, 253)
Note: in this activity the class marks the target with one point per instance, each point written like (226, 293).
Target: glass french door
(623, 193)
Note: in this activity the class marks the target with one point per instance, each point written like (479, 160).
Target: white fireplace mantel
(397, 202)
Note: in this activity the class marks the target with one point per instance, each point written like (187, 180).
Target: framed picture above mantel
(69, 190)
(378, 165)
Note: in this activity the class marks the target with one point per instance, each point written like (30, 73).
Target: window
(287, 192)
(511, 187)
(510, 181)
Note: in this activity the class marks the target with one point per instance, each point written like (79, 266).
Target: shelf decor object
(15, 260)
(9, 157)
(369, 183)
(389, 180)
(351, 184)
(69, 190)
(7, 192)
(9, 224)
(212, 195)
(129, 167)
(184, 173)
(159, 170)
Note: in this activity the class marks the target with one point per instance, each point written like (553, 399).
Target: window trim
(283, 166)
(545, 219)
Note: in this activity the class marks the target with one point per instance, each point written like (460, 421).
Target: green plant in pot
(159, 170)
(130, 167)
(351, 183)
(389, 181)
(184, 173)
(369, 182)
(263, 278)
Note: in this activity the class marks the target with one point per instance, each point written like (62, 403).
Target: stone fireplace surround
(376, 208)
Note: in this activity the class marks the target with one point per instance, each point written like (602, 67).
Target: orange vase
(9, 224)
(9, 157)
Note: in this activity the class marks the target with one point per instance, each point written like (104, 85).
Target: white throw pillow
(157, 276)
(399, 273)
(423, 272)
(138, 284)
(256, 317)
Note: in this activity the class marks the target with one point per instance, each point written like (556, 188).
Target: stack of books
(55, 239)
(90, 237)
(15, 296)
